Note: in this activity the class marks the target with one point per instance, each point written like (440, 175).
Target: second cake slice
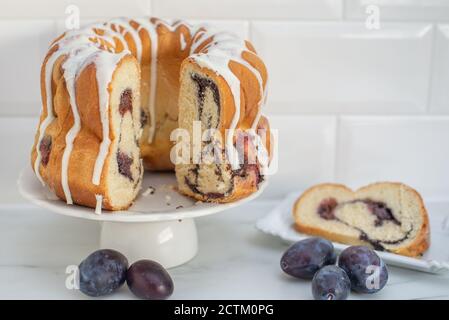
(386, 216)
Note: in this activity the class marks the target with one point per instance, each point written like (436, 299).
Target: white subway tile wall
(41, 9)
(341, 67)
(306, 149)
(23, 44)
(440, 81)
(352, 104)
(249, 9)
(410, 149)
(400, 10)
(16, 140)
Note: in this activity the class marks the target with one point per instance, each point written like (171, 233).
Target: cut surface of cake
(204, 101)
(386, 216)
(114, 92)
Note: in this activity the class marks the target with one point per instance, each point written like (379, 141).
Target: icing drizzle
(224, 48)
(183, 43)
(86, 46)
(104, 75)
(99, 203)
(79, 52)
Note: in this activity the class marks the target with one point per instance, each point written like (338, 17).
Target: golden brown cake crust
(416, 248)
(87, 142)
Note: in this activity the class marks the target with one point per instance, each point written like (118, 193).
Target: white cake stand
(159, 226)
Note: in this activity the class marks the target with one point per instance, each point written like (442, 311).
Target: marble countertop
(235, 261)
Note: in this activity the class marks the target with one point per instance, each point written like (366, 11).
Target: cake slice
(89, 152)
(386, 216)
(204, 101)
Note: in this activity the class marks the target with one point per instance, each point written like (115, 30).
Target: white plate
(164, 205)
(279, 222)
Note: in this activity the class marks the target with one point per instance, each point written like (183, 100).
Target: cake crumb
(168, 187)
(167, 199)
(150, 190)
(198, 202)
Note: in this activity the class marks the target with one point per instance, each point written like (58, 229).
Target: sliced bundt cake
(114, 92)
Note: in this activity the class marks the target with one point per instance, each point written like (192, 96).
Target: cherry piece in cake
(382, 212)
(126, 102)
(326, 208)
(45, 149)
(124, 164)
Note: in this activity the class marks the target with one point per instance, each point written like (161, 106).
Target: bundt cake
(386, 216)
(115, 95)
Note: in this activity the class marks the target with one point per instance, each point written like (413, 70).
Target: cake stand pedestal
(171, 243)
(160, 225)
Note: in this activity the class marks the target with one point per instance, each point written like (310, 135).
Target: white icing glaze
(80, 50)
(99, 203)
(71, 40)
(182, 41)
(235, 47)
(107, 29)
(49, 105)
(127, 28)
(105, 63)
(71, 69)
(224, 48)
(50, 114)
